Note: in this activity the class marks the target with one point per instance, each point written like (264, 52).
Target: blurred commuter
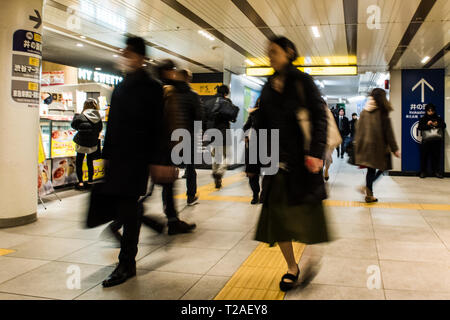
(328, 159)
(218, 116)
(353, 123)
(344, 129)
(89, 125)
(375, 140)
(431, 126)
(181, 108)
(252, 170)
(193, 112)
(131, 144)
(292, 199)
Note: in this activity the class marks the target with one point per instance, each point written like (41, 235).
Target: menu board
(44, 179)
(62, 140)
(63, 171)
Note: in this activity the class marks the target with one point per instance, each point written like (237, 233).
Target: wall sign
(98, 77)
(26, 67)
(419, 87)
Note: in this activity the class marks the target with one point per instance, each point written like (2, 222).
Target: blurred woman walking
(292, 198)
(374, 140)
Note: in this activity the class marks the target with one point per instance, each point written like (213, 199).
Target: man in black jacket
(131, 144)
(344, 128)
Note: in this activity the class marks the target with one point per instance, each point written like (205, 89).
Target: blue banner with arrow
(419, 87)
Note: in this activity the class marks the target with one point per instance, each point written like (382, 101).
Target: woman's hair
(286, 44)
(223, 90)
(91, 104)
(379, 95)
(430, 106)
(354, 114)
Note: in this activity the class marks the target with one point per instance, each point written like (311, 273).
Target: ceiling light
(80, 45)
(144, 65)
(247, 61)
(152, 60)
(98, 69)
(206, 35)
(82, 37)
(327, 61)
(315, 31)
(425, 60)
(115, 55)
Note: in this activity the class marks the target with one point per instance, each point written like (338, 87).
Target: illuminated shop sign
(314, 71)
(98, 77)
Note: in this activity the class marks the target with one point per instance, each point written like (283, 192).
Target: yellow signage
(33, 86)
(314, 71)
(34, 62)
(41, 154)
(37, 37)
(205, 89)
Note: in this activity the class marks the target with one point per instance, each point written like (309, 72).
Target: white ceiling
(107, 22)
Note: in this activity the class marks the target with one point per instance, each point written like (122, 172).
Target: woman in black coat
(431, 149)
(252, 170)
(292, 198)
(89, 125)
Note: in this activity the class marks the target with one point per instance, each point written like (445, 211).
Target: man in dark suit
(131, 144)
(344, 128)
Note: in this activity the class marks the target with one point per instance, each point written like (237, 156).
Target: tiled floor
(404, 252)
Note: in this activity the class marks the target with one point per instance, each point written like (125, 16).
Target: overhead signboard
(98, 77)
(419, 88)
(314, 71)
(205, 89)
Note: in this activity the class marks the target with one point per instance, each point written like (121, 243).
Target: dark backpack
(219, 108)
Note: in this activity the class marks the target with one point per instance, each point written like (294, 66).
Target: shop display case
(57, 137)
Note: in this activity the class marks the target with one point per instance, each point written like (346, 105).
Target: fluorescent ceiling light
(80, 45)
(98, 69)
(82, 37)
(206, 35)
(247, 61)
(425, 60)
(144, 65)
(315, 31)
(115, 55)
(327, 61)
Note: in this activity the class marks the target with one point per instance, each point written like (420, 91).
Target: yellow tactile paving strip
(4, 252)
(259, 276)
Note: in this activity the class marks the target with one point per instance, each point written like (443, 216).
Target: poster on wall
(62, 141)
(63, 171)
(250, 98)
(52, 78)
(419, 88)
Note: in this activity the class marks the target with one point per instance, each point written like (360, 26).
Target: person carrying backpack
(89, 125)
(220, 111)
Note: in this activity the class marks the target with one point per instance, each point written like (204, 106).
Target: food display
(45, 185)
(57, 136)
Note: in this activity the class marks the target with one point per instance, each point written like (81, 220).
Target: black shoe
(255, 200)
(423, 175)
(326, 178)
(121, 274)
(218, 183)
(286, 286)
(153, 224)
(439, 175)
(192, 200)
(176, 227)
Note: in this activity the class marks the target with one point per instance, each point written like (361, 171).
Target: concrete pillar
(20, 47)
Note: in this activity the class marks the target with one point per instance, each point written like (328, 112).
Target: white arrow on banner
(422, 82)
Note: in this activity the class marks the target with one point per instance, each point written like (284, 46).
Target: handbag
(434, 134)
(102, 206)
(97, 154)
(334, 138)
(227, 110)
(161, 174)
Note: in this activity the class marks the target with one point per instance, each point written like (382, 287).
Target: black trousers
(169, 202)
(130, 216)
(254, 184)
(191, 180)
(371, 176)
(431, 151)
(90, 165)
